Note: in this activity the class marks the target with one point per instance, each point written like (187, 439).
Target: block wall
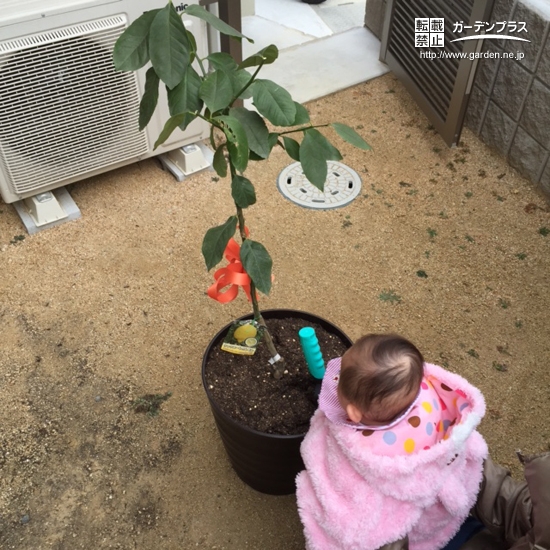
(510, 102)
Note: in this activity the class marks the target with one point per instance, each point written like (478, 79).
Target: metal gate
(427, 58)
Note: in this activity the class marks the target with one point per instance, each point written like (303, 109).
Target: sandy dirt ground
(448, 247)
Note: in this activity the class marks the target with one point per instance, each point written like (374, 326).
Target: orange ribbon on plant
(230, 277)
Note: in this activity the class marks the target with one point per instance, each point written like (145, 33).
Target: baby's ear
(354, 414)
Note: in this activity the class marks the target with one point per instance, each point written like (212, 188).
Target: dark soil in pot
(244, 386)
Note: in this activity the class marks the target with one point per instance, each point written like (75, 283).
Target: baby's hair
(382, 369)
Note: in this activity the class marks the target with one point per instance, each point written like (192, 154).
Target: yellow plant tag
(242, 338)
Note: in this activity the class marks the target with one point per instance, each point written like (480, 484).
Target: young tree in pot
(238, 135)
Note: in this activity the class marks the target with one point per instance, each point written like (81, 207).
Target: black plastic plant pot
(266, 462)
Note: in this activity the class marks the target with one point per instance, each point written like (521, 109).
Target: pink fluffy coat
(352, 499)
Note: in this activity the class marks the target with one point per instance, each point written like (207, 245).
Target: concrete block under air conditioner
(187, 160)
(45, 210)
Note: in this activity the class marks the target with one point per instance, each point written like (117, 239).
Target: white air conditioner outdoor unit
(65, 113)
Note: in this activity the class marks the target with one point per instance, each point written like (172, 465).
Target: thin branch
(203, 70)
(303, 128)
(252, 79)
(276, 360)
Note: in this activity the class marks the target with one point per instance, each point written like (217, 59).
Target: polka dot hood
(364, 487)
(429, 420)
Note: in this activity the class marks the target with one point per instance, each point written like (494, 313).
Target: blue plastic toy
(312, 352)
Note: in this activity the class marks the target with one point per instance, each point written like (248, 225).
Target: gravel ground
(448, 247)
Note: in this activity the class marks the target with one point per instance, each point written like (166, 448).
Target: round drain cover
(342, 186)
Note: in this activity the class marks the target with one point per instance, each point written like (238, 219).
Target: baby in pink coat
(392, 451)
(376, 385)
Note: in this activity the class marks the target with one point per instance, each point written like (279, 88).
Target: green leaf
(323, 144)
(238, 157)
(351, 136)
(292, 148)
(331, 153)
(171, 124)
(239, 78)
(257, 263)
(242, 192)
(253, 156)
(185, 97)
(211, 137)
(150, 98)
(256, 131)
(215, 241)
(192, 46)
(273, 139)
(217, 90)
(232, 128)
(168, 46)
(302, 115)
(237, 142)
(131, 51)
(219, 163)
(313, 159)
(222, 61)
(273, 102)
(216, 22)
(266, 56)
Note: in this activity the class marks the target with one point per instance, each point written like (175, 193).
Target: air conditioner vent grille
(83, 29)
(64, 110)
